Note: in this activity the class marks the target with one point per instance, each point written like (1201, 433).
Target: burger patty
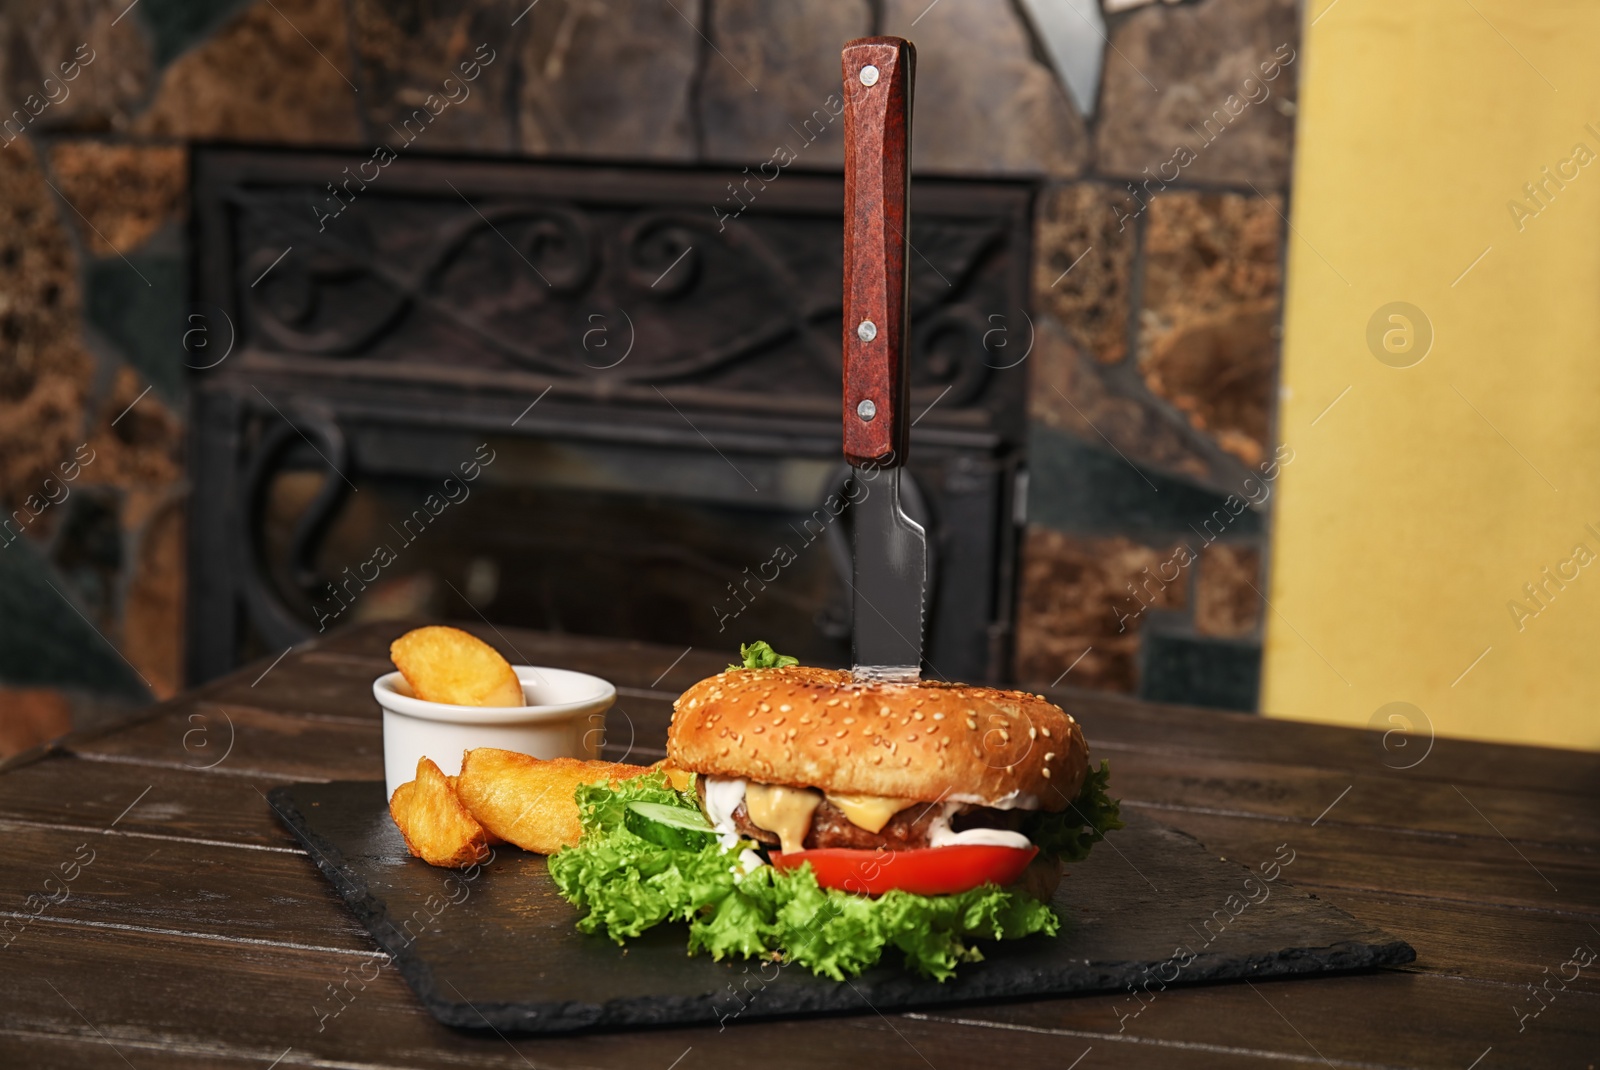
(906, 830)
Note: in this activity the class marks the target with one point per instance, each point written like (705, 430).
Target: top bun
(928, 741)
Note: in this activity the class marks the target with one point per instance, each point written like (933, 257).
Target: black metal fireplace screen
(578, 397)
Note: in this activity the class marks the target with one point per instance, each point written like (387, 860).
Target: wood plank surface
(1454, 869)
(201, 934)
(1341, 796)
(104, 881)
(1113, 724)
(73, 794)
(140, 987)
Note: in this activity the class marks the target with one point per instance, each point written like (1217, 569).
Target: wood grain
(193, 945)
(185, 889)
(877, 172)
(1113, 725)
(142, 988)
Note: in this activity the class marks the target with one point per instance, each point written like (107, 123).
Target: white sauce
(723, 796)
(1014, 800)
(749, 862)
(940, 834)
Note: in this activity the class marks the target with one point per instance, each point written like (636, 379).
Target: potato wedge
(437, 828)
(447, 665)
(490, 837)
(529, 801)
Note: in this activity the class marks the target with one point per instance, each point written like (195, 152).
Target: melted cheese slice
(782, 810)
(870, 812)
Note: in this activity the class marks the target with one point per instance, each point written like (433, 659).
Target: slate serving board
(499, 949)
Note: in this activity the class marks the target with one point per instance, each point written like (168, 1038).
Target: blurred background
(1253, 343)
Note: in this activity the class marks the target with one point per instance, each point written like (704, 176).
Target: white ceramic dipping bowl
(565, 718)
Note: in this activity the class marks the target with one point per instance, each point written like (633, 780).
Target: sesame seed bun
(817, 728)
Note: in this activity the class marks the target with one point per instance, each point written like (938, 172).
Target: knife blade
(891, 550)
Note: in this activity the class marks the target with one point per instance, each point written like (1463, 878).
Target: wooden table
(195, 932)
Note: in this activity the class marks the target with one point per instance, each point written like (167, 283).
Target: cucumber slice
(669, 826)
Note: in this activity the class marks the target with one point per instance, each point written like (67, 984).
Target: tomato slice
(921, 871)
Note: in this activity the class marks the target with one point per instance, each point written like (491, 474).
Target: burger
(802, 816)
(928, 787)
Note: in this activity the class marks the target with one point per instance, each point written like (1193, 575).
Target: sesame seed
(884, 711)
(839, 734)
(1009, 768)
(911, 737)
(777, 720)
(1046, 732)
(785, 708)
(758, 729)
(1047, 771)
(1005, 737)
(833, 702)
(877, 759)
(972, 724)
(849, 720)
(805, 718)
(693, 703)
(917, 715)
(765, 708)
(938, 717)
(1032, 733)
(906, 760)
(822, 741)
(1050, 757)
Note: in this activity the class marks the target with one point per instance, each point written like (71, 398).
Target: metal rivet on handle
(866, 410)
(869, 75)
(867, 331)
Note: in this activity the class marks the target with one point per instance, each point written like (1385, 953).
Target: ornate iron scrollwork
(524, 286)
(273, 618)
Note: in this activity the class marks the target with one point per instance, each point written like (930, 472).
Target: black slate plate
(497, 948)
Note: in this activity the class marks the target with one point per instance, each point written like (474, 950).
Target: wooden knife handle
(877, 142)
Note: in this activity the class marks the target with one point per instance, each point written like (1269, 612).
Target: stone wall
(1158, 267)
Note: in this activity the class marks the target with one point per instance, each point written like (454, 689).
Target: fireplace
(580, 397)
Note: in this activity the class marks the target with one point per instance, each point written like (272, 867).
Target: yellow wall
(1419, 505)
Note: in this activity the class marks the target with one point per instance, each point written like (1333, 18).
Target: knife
(891, 550)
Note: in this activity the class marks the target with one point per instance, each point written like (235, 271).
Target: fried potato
(680, 779)
(455, 790)
(529, 801)
(448, 665)
(437, 828)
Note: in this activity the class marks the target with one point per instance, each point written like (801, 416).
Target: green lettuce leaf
(625, 883)
(1084, 823)
(760, 655)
